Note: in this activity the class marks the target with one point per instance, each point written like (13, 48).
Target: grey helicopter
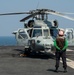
(38, 33)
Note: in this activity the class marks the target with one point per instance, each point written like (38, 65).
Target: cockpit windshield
(37, 32)
(46, 32)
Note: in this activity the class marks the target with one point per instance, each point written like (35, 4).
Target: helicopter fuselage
(40, 37)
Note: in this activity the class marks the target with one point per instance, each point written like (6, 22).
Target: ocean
(7, 41)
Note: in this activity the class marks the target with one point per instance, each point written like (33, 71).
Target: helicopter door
(22, 37)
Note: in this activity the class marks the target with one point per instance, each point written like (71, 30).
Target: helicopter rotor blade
(60, 14)
(15, 13)
(67, 13)
(33, 13)
(29, 16)
(25, 18)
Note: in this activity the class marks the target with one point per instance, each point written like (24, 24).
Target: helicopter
(38, 33)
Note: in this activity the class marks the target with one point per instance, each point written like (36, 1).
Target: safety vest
(60, 43)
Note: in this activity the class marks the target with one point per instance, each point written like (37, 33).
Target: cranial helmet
(61, 32)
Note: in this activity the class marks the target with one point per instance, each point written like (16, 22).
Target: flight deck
(12, 64)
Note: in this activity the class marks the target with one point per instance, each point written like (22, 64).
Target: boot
(56, 70)
(65, 70)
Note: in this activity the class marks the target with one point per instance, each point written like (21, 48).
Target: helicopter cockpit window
(37, 32)
(46, 32)
(22, 35)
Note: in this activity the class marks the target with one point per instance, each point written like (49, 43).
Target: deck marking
(70, 63)
(70, 50)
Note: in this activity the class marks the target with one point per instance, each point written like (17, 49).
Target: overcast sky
(8, 24)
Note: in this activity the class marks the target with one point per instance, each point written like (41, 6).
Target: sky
(8, 24)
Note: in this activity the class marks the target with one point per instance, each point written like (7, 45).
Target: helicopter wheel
(27, 51)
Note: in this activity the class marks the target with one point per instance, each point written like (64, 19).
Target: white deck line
(69, 50)
(70, 63)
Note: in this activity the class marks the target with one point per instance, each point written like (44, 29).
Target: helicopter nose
(47, 46)
(38, 41)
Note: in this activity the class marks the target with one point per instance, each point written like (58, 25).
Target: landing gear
(26, 52)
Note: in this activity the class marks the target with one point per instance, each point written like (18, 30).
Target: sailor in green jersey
(61, 45)
(65, 46)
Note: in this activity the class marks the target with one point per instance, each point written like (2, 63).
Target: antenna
(37, 5)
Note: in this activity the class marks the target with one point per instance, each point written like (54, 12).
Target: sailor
(61, 45)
